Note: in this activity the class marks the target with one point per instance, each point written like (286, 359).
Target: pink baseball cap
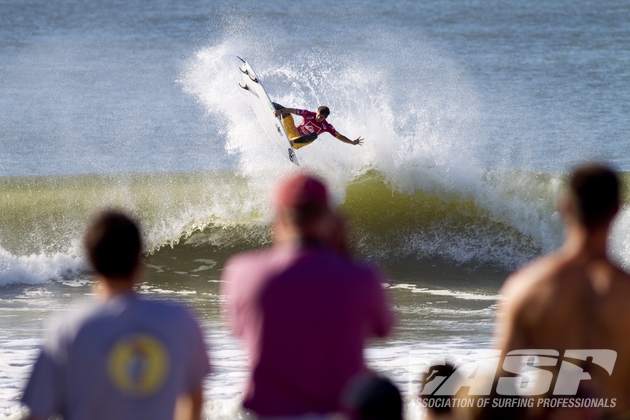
(300, 190)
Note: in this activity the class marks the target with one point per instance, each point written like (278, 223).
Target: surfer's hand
(277, 113)
(358, 141)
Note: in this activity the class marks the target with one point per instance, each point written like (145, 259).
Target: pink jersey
(310, 125)
(304, 314)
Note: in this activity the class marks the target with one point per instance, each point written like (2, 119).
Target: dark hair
(324, 110)
(446, 370)
(594, 194)
(306, 213)
(113, 244)
(373, 398)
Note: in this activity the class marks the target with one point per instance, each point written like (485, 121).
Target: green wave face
(392, 224)
(49, 214)
(506, 218)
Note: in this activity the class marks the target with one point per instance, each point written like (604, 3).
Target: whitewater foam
(426, 145)
(445, 292)
(36, 269)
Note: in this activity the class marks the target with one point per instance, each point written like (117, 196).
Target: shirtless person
(575, 297)
(312, 125)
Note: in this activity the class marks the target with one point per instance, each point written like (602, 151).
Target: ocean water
(472, 113)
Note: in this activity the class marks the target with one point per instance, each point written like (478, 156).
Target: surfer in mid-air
(313, 124)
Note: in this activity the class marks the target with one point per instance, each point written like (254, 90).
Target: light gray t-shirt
(126, 358)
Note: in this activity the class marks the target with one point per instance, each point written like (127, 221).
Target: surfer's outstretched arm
(358, 141)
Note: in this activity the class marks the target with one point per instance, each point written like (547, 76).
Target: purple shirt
(303, 314)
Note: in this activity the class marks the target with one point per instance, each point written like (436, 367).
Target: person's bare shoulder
(620, 276)
(528, 282)
(612, 285)
(609, 280)
(526, 295)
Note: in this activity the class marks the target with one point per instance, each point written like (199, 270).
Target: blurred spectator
(120, 357)
(302, 309)
(437, 406)
(575, 298)
(373, 397)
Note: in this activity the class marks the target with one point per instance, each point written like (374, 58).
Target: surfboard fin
(244, 70)
(243, 86)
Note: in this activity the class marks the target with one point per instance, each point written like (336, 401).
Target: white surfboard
(263, 108)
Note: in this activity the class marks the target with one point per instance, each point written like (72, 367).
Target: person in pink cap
(302, 309)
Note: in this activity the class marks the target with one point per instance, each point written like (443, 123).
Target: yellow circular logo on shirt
(138, 365)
